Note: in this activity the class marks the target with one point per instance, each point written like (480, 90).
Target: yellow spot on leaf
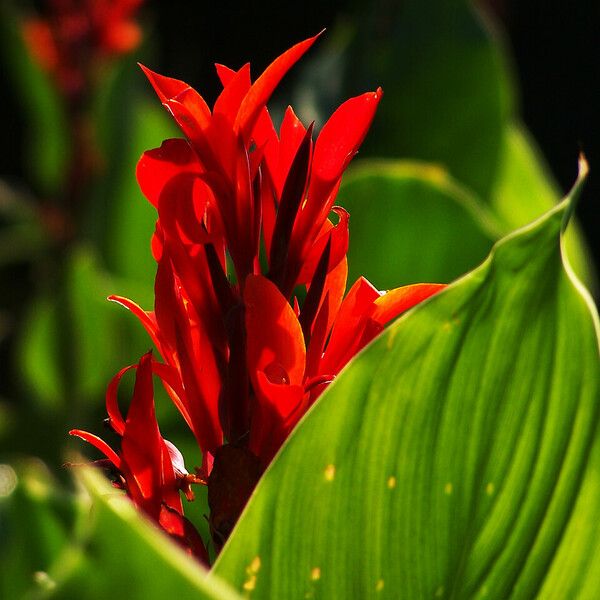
(448, 488)
(315, 574)
(250, 584)
(379, 585)
(254, 566)
(440, 592)
(389, 343)
(391, 482)
(330, 472)
(489, 488)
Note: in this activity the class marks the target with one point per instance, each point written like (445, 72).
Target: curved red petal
(112, 404)
(349, 324)
(274, 335)
(169, 88)
(146, 318)
(99, 444)
(158, 166)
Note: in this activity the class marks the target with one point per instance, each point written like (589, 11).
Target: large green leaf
(447, 90)
(123, 556)
(524, 189)
(64, 547)
(424, 228)
(456, 457)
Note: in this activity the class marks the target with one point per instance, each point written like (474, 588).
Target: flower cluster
(251, 318)
(74, 33)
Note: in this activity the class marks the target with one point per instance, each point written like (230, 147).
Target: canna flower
(250, 315)
(148, 467)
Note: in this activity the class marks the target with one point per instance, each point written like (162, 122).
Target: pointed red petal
(341, 137)
(349, 324)
(225, 74)
(230, 99)
(265, 85)
(168, 89)
(165, 87)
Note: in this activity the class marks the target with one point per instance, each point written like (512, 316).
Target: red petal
(158, 166)
(339, 246)
(100, 445)
(396, 301)
(273, 332)
(340, 139)
(349, 324)
(278, 410)
(146, 318)
(225, 74)
(265, 85)
(168, 88)
(112, 404)
(229, 100)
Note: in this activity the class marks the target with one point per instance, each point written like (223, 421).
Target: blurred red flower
(74, 34)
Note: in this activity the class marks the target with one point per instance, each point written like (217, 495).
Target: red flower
(149, 468)
(245, 230)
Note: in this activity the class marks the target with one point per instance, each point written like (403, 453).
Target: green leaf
(456, 457)
(35, 520)
(64, 546)
(47, 150)
(75, 341)
(447, 93)
(121, 555)
(424, 228)
(525, 189)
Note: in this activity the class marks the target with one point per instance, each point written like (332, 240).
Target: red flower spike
(244, 219)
